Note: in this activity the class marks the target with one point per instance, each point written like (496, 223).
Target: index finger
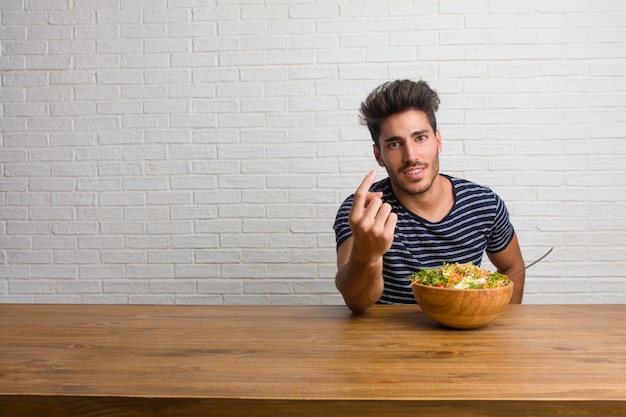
(360, 195)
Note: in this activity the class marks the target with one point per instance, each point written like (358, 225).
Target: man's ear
(378, 156)
(439, 142)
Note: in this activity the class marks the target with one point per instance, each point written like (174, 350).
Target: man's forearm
(518, 289)
(361, 285)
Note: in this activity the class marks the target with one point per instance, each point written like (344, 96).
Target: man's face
(409, 151)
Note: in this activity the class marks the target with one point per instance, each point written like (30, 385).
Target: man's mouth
(413, 171)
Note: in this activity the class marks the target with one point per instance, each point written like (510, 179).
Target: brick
(202, 271)
(268, 286)
(219, 286)
(126, 287)
(169, 227)
(29, 228)
(71, 18)
(78, 287)
(21, 18)
(266, 256)
(123, 257)
(101, 272)
(221, 256)
(291, 271)
(114, 227)
(24, 48)
(240, 241)
(74, 228)
(194, 242)
(14, 213)
(34, 287)
(170, 256)
(14, 272)
(14, 242)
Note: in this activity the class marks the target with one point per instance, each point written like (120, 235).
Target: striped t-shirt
(478, 221)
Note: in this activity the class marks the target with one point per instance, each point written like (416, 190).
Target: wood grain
(100, 360)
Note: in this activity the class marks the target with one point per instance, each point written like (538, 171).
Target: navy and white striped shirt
(478, 221)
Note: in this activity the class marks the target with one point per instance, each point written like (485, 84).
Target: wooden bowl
(462, 309)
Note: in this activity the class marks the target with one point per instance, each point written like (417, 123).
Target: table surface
(309, 360)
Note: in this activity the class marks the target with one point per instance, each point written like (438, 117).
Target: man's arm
(360, 283)
(359, 258)
(509, 261)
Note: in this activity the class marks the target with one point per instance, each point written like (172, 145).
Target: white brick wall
(196, 151)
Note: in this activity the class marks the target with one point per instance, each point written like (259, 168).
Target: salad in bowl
(465, 276)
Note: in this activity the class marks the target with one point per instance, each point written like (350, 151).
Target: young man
(416, 218)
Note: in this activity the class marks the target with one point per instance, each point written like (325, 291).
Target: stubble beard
(419, 188)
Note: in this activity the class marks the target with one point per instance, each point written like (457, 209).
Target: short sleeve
(502, 231)
(341, 226)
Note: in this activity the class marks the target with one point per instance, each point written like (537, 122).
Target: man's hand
(372, 223)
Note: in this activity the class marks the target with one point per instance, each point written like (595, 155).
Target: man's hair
(395, 97)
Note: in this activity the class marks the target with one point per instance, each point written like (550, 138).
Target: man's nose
(411, 151)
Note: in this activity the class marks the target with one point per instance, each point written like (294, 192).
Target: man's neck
(434, 204)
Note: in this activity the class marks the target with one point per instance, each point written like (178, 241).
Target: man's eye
(394, 145)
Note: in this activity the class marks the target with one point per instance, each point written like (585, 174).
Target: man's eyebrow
(416, 133)
(392, 139)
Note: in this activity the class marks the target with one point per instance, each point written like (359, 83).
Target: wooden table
(131, 360)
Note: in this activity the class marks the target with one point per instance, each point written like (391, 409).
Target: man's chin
(412, 188)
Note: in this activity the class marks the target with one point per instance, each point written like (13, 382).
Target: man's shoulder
(465, 185)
